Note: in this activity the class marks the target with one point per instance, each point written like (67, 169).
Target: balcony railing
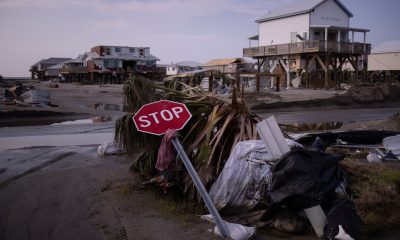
(308, 47)
(73, 70)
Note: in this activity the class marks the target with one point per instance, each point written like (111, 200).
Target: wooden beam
(283, 64)
(322, 63)
(258, 76)
(311, 62)
(326, 72)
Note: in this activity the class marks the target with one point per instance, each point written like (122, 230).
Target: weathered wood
(315, 46)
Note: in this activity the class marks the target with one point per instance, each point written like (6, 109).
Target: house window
(293, 37)
(106, 63)
(117, 49)
(317, 35)
(132, 50)
(108, 51)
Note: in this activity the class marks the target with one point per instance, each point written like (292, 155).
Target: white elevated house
(308, 35)
(385, 57)
(384, 61)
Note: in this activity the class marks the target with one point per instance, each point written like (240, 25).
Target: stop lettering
(158, 117)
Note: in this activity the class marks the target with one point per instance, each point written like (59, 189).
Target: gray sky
(175, 30)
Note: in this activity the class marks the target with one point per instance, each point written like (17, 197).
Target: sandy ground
(66, 191)
(71, 193)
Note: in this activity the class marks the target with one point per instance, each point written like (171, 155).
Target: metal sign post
(156, 118)
(199, 185)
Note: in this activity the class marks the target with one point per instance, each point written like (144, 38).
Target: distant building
(308, 36)
(384, 60)
(41, 71)
(102, 64)
(229, 65)
(118, 58)
(182, 67)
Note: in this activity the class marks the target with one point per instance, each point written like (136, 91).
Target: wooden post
(326, 72)
(357, 70)
(210, 83)
(307, 81)
(258, 76)
(278, 83)
(242, 96)
(238, 81)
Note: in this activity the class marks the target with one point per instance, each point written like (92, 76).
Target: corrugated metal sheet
(297, 8)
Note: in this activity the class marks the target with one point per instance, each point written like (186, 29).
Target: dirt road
(71, 193)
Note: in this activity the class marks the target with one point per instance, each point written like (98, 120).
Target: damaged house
(182, 67)
(44, 69)
(104, 64)
(229, 65)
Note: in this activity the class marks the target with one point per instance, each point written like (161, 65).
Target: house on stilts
(309, 38)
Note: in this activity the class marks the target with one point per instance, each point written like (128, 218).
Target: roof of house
(188, 64)
(297, 8)
(58, 66)
(388, 46)
(51, 61)
(225, 61)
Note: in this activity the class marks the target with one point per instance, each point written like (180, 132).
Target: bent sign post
(156, 118)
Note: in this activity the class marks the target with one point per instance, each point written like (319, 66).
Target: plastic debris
(236, 231)
(392, 144)
(110, 149)
(317, 219)
(245, 175)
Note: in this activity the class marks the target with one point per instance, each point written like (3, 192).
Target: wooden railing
(307, 47)
(73, 69)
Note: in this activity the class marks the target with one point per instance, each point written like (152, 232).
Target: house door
(332, 37)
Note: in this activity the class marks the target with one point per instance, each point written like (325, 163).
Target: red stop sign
(157, 117)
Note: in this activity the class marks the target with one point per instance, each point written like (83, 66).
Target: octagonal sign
(157, 117)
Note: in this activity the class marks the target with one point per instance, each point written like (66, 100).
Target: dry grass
(214, 129)
(375, 190)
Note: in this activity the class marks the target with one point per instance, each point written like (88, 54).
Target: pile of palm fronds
(215, 127)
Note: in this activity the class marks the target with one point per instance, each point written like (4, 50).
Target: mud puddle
(105, 106)
(307, 127)
(55, 140)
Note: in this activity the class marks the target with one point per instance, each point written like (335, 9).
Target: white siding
(278, 31)
(329, 13)
(384, 61)
(172, 70)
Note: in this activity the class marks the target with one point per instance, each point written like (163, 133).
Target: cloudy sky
(175, 30)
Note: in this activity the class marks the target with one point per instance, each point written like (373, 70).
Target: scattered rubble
(260, 180)
(378, 92)
(26, 96)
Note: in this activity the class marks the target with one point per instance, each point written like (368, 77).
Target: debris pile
(23, 95)
(274, 182)
(365, 93)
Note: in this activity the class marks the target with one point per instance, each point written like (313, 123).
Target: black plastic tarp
(302, 179)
